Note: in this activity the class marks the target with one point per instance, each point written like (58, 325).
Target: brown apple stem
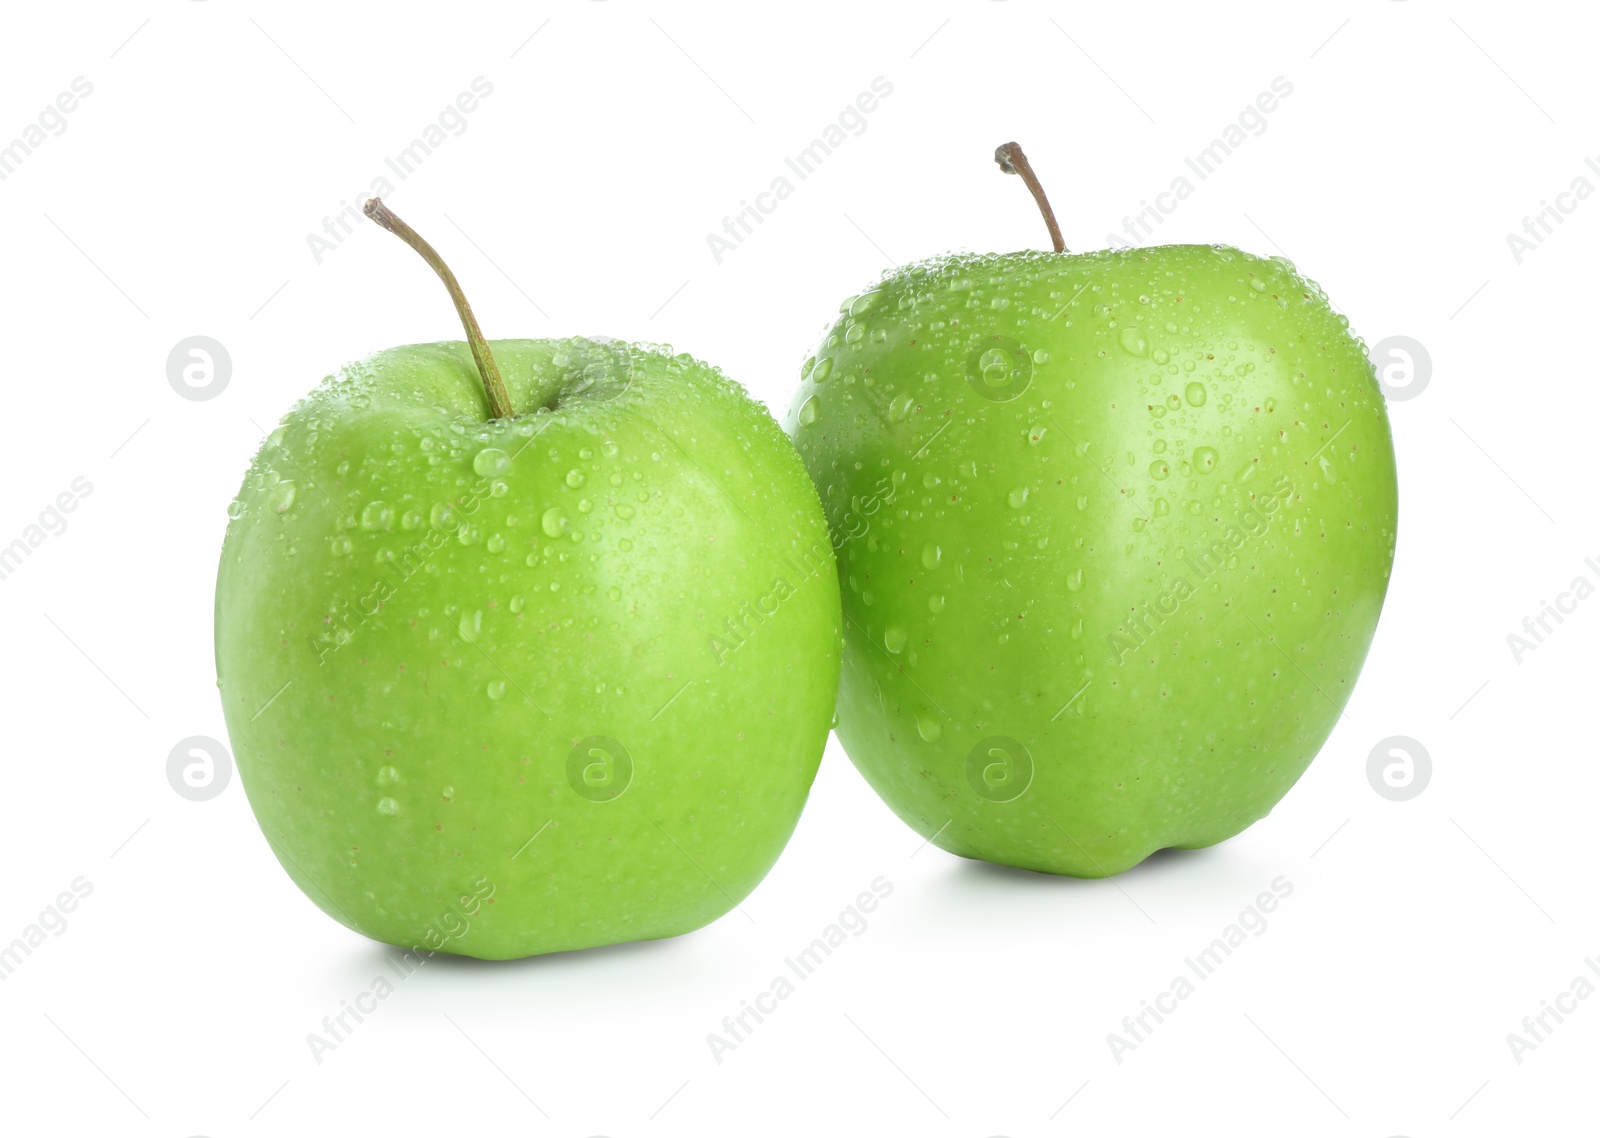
(493, 386)
(1013, 161)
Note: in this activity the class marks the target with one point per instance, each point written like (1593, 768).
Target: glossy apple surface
(509, 687)
(1115, 529)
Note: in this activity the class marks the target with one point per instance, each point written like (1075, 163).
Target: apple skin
(1114, 530)
(414, 635)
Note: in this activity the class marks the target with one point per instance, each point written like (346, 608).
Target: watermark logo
(1403, 367)
(1001, 370)
(52, 921)
(751, 616)
(851, 122)
(199, 768)
(199, 368)
(1539, 227)
(738, 1027)
(1399, 768)
(1538, 628)
(451, 925)
(51, 122)
(1147, 619)
(1250, 122)
(599, 768)
(450, 122)
(1538, 1027)
(1138, 1027)
(1000, 769)
(51, 522)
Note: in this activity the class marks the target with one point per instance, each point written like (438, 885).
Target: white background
(178, 202)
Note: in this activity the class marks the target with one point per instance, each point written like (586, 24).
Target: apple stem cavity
(1013, 161)
(488, 370)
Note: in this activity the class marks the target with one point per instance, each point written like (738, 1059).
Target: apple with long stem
(526, 645)
(1132, 520)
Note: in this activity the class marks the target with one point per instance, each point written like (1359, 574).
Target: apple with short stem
(1115, 529)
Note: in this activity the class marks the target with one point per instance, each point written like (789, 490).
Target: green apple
(529, 656)
(1114, 530)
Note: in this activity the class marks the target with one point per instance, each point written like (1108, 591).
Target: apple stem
(493, 386)
(1013, 161)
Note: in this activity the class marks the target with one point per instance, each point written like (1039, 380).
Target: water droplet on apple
(1018, 497)
(554, 522)
(928, 727)
(411, 519)
(931, 554)
(281, 497)
(1204, 459)
(576, 478)
(894, 639)
(1159, 470)
(388, 776)
(235, 508)
(470, 625)
(443, 516)
(823, 370)
(808, 412)
(377, 516)
(1075, 579)
(491, 462)
(1132, 340)
(1195, 394)
(388, 806)
(496, 543)
(866, 302)
(496, 689)
(900, 407)
(936, 602)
